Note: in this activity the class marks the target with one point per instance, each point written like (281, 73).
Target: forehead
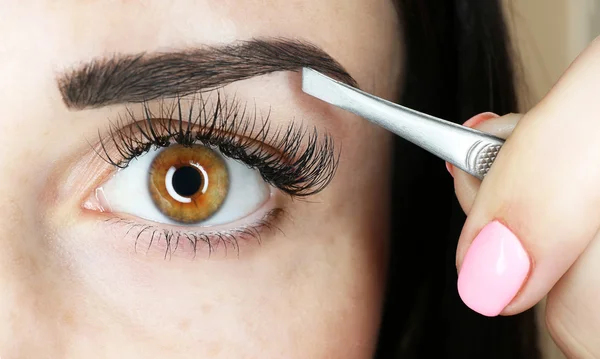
(354, 32)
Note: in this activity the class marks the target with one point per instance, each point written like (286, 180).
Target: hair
(458, 64)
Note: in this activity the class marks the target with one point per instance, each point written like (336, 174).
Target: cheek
(306, 294)
(33, 311)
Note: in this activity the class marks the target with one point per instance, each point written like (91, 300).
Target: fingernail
(493, 270)
(477, 119)
(449, 167)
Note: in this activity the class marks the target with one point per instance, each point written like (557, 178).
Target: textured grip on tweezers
(482, 156)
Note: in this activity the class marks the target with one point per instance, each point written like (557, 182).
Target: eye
(186, 185)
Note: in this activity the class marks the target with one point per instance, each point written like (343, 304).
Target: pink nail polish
(493, 270)
(477, 119)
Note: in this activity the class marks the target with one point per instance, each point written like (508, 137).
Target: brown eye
(188, 184)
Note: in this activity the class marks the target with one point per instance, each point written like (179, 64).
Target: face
(144, 224)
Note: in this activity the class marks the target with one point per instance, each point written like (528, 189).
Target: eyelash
(212, 240)
(296, 169)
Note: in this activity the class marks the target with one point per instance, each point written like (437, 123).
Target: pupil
(187, 181)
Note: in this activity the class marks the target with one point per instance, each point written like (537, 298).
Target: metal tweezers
(470, 150)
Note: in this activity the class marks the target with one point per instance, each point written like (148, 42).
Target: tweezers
(470, 150)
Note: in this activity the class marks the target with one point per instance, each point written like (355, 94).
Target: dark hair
(458, 64)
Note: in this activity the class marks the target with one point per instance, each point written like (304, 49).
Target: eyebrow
(143, 77)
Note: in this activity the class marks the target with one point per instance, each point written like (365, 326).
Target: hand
(532, 226)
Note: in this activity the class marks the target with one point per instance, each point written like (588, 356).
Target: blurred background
(547, 36)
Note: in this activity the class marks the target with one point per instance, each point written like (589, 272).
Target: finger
(572, 314)
(465, 185)
(539, 206)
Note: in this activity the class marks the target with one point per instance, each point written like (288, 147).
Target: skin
(72, 285)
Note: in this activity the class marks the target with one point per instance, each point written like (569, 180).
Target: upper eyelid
(200, 119)
(304, 164)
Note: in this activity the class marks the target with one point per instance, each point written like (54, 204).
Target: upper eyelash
(307, 166)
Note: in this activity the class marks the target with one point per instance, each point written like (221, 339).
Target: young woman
(169, 191)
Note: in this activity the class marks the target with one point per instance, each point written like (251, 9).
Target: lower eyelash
(191, 241)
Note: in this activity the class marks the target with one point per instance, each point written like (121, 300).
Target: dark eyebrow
(147, 76)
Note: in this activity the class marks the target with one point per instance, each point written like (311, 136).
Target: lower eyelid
(208, 245)
(155, 240)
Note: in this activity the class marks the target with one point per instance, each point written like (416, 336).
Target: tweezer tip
(320, 86)
(307, 70)
(313, 80)
(307, 73)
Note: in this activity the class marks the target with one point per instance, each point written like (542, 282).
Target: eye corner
(96, 201)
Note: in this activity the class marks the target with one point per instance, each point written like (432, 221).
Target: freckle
(67, 318)
(213, 349)
(184, 325)
(206, 308)
(24, 179)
